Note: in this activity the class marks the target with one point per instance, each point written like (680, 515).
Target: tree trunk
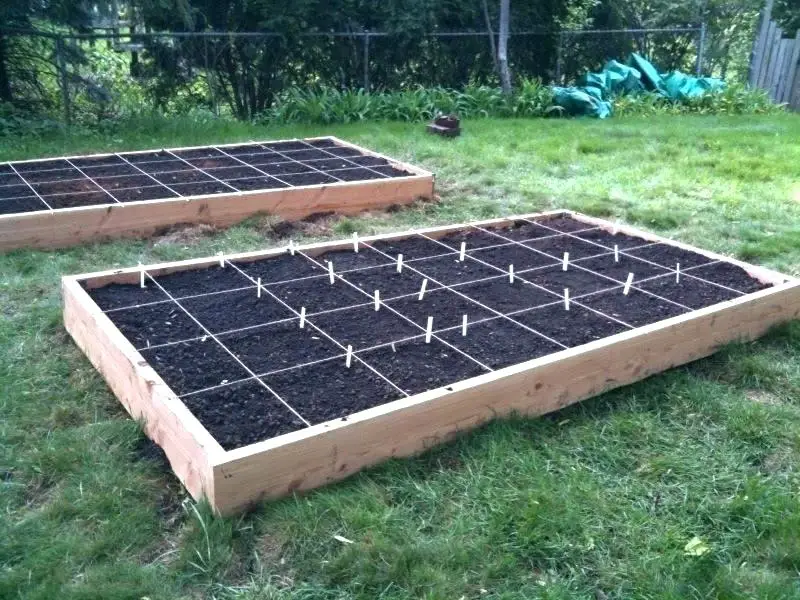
(490, 33)
(502, 46)
(5, 83)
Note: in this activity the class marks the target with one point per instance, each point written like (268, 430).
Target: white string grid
(286, 154)
(366, 268)
(496, 314)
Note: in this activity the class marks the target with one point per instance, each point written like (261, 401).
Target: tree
(502, 46)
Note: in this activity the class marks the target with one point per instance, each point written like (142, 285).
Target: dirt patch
(184, 234)
(763, 397)
(314, 225)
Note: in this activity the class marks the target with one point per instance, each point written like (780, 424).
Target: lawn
(597, 501)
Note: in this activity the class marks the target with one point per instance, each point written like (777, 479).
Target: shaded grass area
(596, 501)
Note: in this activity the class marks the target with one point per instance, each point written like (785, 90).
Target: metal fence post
(366, 61)
(559, 57)
(701, 49)
(62, 80)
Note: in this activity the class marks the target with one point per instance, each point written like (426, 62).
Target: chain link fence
(96, 76)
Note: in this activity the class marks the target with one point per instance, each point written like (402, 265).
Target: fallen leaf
(696, 547)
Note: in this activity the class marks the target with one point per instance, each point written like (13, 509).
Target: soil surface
(307, 369)
(132, 177)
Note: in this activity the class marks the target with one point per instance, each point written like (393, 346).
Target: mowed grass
(597, 501)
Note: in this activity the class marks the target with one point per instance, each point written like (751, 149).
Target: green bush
(735, 99)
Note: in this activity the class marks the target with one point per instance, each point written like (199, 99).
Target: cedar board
(233, 480)
(71, 226)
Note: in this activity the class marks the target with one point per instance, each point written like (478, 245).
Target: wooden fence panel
(775, 63)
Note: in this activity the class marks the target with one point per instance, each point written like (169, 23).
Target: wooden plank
(764, 68)
(72, 226)
(335, 450)
(792, 75)
(759, 45)
(773, 61)
(330, 451)
(784, 53)
(190, 449)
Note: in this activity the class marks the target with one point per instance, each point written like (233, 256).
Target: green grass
(596, 501)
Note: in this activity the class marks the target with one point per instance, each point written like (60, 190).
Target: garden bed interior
(265, 350)
(40, 189)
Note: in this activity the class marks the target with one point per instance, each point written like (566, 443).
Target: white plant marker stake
(291, 247)
(399, 263)
(566, 298)
(258, 288)
(510, 273)
(141, 276)
(422, 289)
(463, 252)
(565, 262)
(429, 330)
(330, 271)
(616, 253)
(677, 272)
(464, 326)
(355, 241)
(628, 283)
(377, 299)
(349, 356)
(616, 226)
(302, 317)
(221, 260)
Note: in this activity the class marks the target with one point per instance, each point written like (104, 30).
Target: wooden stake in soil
(429, 330)
(677, 272)
(377, 299)
(349, 356)
(463, 252)
(291, 247)
(628, 283)
(355, 241)
(141, 276)
(302, 317)
(330, 271)
(422, 289)
(399, 263)
(221, 260)
(510, 273)
(565, 262)
(464, 326)
(566, 298)
(616, 253)
(258, 288)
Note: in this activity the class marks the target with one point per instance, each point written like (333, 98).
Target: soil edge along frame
(270, 372)
(60, 202)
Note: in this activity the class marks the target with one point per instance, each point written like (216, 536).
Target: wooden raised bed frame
(71, 226)
(232, 480)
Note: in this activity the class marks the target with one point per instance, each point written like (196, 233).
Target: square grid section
(258, 349)
(46, 185)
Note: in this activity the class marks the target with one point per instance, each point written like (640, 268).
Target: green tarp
(592, 96)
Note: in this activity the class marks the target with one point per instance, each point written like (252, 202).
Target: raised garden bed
(64, 201)
(247, 404)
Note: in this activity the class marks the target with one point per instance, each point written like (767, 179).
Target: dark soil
(606, 265)
(191, 366)
(347, 326)
(21, 205)
(609, 240)
(448, 270)
(636, 309)
(668, 256)
(505, 297)
(572, 328)
(415, 366)
(500, 343)
(242, 413)
(330, 390)
(280, 346)
(689, 292)
(521, 257)
(388, 281)
(446, 308)
(473, 238)
(303, 164)
(258, 414)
